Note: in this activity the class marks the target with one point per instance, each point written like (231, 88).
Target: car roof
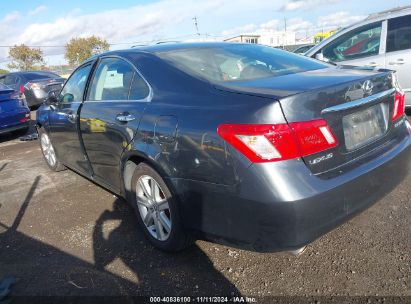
(165, 47)
(34, 72)
(390, 13)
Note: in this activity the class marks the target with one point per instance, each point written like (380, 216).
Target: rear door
(64, 119)
(359, 47)
(398, 53)
(117, 98)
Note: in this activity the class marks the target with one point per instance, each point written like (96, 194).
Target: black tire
(178, 239)
(55, 166)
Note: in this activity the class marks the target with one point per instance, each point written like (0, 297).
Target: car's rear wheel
(48, 152)
(157, 210)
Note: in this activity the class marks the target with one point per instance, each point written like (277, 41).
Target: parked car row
(239, 144)
(35, 85)
(20, 92)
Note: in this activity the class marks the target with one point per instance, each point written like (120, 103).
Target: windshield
(235, 62)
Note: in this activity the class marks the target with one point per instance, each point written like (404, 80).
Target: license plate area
(365, 126)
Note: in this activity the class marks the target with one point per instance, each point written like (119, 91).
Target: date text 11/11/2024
(203, 299)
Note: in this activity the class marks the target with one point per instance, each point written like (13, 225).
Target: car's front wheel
(157, 210)
(48, 152)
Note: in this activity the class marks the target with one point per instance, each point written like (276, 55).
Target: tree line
(77, 50)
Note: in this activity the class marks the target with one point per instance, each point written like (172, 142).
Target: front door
(398, 54)
(64, 121)
(110, 116)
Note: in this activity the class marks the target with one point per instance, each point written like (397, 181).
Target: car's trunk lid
(357, 105)
(50, 84)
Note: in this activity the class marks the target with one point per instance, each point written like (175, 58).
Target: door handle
(71, 117)
(399, 61)
(372, 64)
(125, 117)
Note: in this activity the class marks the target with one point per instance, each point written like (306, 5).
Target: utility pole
(196, 25)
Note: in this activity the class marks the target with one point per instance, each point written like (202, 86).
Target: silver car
(382, 40)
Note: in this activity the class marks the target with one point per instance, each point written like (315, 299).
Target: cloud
(293, 5)
(164, 19)
(301, 26)
(11, 17)
(239, 30)
(338, 19)
(270, 25)
(37, 10)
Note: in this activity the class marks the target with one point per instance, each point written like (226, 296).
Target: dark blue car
(235, 143)
(14, 112)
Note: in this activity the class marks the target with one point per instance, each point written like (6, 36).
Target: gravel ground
(61, 235)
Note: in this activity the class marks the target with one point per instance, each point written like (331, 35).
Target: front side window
(236, 62)
(74, 88)
(399, 34)
(359, 43)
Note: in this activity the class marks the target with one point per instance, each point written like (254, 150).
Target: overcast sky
(125, 22)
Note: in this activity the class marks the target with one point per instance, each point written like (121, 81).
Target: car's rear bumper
(282, 206)
(10, 121)
(19, 126)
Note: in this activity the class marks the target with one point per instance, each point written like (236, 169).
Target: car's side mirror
(67, 98)
(320, 56)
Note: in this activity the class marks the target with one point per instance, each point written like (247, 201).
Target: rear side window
(399, 34)
(139, 88)
(358, 43)
(116, 79)
(236, 62)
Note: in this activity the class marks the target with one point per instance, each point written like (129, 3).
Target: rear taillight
(21, 90)
(399, 105)
(265, 143)
(26, 118)
(313, 136)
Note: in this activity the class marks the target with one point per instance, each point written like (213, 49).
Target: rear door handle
(125, 117)
(372, 64)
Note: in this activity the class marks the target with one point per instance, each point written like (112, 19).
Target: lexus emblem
(367, 87)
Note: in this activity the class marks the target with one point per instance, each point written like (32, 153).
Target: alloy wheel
(48, 150)
(153, 208)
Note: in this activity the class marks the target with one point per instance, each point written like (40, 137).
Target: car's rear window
(236, 62)
(3, 87)
(40, 75)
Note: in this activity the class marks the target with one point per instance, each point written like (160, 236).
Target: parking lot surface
(60, 234)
